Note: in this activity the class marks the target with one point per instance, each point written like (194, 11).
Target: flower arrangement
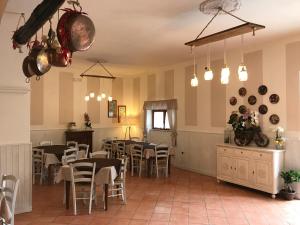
(243, 122)
(279, 140)
(87, 121)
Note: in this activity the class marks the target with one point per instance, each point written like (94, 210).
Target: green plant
(289, 177)
(296, 175)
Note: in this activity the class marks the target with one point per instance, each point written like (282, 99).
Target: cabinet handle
(242, 152)
(253, 172)
(234, 168)
(260, 155)
(231, 167)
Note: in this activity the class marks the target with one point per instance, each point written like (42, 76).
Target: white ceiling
(153, 32)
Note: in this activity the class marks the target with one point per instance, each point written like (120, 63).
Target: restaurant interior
(150, 112)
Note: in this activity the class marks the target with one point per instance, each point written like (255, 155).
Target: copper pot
(59, 57)
(75, 31)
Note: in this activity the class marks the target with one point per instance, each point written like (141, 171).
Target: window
(160, 119)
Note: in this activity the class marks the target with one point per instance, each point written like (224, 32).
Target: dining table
(5, 212)
(52, 156)
(105, 173)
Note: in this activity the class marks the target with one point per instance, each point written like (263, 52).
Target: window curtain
(171, 107)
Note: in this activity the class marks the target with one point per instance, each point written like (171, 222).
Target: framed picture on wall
(121, 113)
(112, 109)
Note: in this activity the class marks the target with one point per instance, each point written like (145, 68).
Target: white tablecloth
(105, 175)
(51, 159)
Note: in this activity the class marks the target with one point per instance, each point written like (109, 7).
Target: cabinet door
(226, 164)
(242, 170)
(262, 171)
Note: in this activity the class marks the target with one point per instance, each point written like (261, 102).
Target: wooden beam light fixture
(109, 76)
(246, 27)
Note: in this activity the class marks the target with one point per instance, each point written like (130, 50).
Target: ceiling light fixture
(208, 75)
(242, 70)
(194, 80)
(217, 7)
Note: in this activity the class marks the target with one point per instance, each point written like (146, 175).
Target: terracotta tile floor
(185, 198)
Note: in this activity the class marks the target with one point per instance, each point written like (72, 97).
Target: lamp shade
(194, 81)
(99, 99)
(208, 75)
(243, 73)
(225, 73)
(86, 98)
(92, 95)
(110, 98)
(103, 95)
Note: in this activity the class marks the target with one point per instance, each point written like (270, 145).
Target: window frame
(164, 119)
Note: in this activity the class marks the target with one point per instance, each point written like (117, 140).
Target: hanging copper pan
(75, 31)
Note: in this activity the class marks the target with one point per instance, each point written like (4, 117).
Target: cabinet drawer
(225, 151)
(242, 153)
(262, 156)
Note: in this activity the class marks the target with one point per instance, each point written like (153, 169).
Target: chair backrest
(72, 144)
(83, 172)
(37, 155)
(84, 147)
(70, 155)
(136, 151)
(161, 151)
(123, 168)
(120, 148)
(135, 139)
(10, 185)
(99, 154)
(43, 143)
(108, 148)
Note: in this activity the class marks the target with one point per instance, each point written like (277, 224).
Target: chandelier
(100, 96)
(226, 7)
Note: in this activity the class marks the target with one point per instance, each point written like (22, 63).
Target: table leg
(68, 186)
(105, 196)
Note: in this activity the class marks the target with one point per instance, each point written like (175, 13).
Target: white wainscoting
(16, 159)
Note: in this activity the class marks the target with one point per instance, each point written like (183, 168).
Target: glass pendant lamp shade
(92, 95)
(110, 98)
(194, 81)
(99, 99)
(86, 98)
(103, 95)
(243, 73)
(208, 75)
(225, 74)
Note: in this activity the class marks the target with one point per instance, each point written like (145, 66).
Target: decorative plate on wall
(252, 100)
(242, 91)
(242, 109)
(274, 98)
(274, 119)
(262, 89)
(233, 101)
(263, 109)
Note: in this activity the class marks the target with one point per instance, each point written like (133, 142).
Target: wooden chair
(162, 159)
(84, 148)
(70, 155)
(83, 177)
(72, 144)
(99, 154)
(136, 157)
(10, 185)
(120, 149)
(37, 164)
(119, 186)
(109, 148)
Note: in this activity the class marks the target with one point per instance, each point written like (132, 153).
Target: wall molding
(14, 90)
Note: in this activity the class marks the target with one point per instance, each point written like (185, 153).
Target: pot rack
(109, 76)
(246, 27)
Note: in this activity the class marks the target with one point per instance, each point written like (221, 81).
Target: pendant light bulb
(86, 98)
(194, 80)
(243, 73)
(92, 95)
(110, 98)
(103, 95)
(99, 99)
(225, 73)
(208, 75)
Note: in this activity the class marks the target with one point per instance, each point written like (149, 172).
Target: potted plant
(289, 177)
(296, 184)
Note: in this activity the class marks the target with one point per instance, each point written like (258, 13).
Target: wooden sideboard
(257, 168)
(81, 136)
